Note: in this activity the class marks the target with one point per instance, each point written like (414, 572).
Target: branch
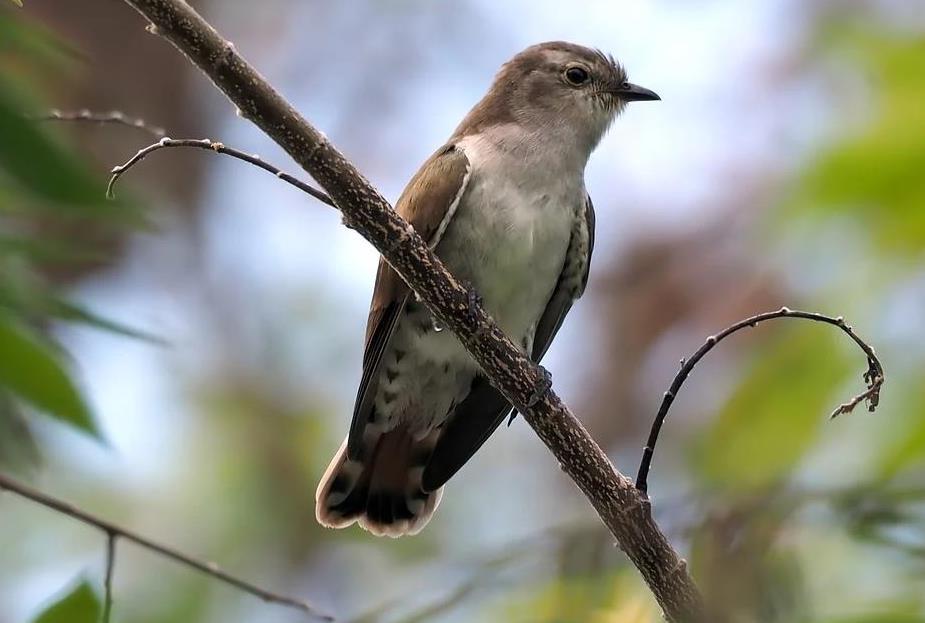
(624, 509)
(120, 118)
(873, 377)
(114, 532)
(110, 570)
(218, 148)
(115, 117)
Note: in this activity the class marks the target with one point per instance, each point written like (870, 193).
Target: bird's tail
(382, 490)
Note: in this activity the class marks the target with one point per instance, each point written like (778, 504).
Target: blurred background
(183, 361)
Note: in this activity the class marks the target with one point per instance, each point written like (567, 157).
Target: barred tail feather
(381, 491)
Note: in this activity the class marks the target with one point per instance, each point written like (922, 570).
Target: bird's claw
(474, 305)
(474, 302)
(539, 392)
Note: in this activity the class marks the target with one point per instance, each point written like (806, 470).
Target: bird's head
(561, 86)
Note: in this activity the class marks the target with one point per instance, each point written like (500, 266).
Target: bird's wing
(484, 408)
(428, 203)
(568, 289)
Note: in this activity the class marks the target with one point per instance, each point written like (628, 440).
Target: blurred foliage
(874, 172)
(46, 194)
(43, 169)
(32, 371)
(619, 597)
(79, 605)
(751, 457)
(772, 418)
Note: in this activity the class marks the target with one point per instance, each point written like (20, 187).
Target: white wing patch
(451, 211)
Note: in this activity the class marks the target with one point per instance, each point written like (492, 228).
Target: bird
(503, 204)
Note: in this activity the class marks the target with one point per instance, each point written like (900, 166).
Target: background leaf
(30, 369)
(80, 605)
(772, 418)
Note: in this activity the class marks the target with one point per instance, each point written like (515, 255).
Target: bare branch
(219, 148)
(110, 570)
(114, 117)
(114, 531)
(624, 509)
(873, 377)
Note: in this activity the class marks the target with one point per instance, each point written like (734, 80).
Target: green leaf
(65, 310)
(18, 450)
(773, 417)
(79, 605)
(17, 3)
(30, 369)
(28, 297)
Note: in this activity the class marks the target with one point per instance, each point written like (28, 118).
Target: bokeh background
(210, 321)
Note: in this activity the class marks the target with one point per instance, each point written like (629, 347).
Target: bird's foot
(474, 304)
(542, 386)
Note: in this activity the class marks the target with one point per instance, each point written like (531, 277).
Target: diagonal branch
(873, 378)
(624, 509)
(114, 531)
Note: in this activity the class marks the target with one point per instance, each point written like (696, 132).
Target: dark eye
(576, 75)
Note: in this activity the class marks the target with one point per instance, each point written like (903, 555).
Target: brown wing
(427, 202)
(484, 408)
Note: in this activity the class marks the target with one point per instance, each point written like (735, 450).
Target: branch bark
(625, 511)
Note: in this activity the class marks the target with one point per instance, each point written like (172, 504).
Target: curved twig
(873, 377)
(219, 148)
(114, 117)
(114, 532)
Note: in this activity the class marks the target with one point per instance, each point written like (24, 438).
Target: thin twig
(114, 117)
(219, 148)
(113, 531)
(873, 377)
(110, 569)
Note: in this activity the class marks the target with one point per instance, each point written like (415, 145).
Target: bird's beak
(634, 93)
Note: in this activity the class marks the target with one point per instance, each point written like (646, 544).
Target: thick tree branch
(873, 377)
(114, 531)
(624, 510)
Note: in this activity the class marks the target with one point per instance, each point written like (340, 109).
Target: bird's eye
(576, 75)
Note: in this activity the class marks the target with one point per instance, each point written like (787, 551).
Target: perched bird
(503, 204)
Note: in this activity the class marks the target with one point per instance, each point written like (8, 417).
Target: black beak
(635, 93)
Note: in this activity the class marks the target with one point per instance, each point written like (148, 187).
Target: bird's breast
(510, 235)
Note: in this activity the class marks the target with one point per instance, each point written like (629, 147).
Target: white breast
(508, 238)
(510, 235)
